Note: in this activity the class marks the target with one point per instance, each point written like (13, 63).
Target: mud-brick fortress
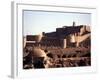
(66, 36)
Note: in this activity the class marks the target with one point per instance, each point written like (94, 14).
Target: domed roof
(37, 38)
(37, 52)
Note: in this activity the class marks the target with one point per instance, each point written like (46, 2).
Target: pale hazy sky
(36, 22)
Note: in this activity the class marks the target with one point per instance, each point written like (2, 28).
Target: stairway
(80, 39)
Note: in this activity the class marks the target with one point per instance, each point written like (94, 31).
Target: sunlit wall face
(36, 22)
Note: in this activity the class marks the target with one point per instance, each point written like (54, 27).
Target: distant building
(67, 36)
